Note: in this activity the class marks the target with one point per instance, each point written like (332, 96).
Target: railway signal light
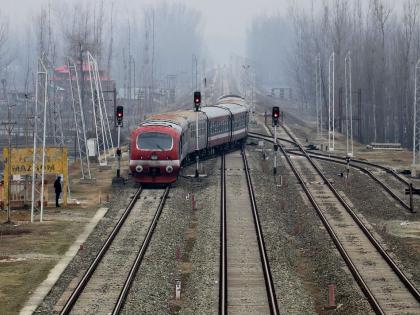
(197, 100)
(276, 115)
(119, 115)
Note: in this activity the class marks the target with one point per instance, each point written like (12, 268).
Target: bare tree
(5, 58)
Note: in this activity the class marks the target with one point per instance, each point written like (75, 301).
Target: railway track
(332, 157)
(384, 284)
(105, 285)
(246, 284)
(378, 169)
(381, 182)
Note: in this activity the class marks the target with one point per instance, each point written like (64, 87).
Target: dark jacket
(57, 186)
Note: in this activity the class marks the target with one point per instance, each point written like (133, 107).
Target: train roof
(179, 117)
(231, 99)
(230, 96)
(214, 111)
(233, 108)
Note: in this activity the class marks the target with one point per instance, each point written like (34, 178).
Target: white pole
(43, 143)
(414, 114)
(333, 103)
(316, 96)
(329, 103)
(416, 120)
(351, 106)
(320, 93)
(34, 159)
(346, 91)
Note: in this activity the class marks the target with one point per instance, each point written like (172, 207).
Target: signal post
(275, 122)
(119, 115)
(197, 103)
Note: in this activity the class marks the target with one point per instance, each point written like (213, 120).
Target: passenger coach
(160, 145)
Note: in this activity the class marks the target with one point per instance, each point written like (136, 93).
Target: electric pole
(9, 128)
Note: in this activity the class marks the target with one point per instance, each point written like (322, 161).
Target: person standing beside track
(57, 188)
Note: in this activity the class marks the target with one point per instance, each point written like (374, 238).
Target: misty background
(138, 42)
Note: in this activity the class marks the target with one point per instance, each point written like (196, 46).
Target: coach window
(192, 131)
(154, 141)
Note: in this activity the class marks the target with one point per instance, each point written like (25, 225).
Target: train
(161, 145)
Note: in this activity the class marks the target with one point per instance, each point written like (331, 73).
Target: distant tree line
(383, 38)
(164, 36)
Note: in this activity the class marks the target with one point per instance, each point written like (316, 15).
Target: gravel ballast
(387, 218)
(302, 257)
(75, 270)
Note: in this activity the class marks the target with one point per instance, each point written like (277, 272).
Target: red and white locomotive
(161, 144)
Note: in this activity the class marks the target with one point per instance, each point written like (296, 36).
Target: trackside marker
(193, 202)
(177, 288)
(331, 296)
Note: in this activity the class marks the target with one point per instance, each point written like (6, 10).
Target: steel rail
(140, 255)
(223, 243)
(384, 168)
(88, 274)
(404, 279)
(271, 294)
(333, 160)
(353, 269)
(364, 170)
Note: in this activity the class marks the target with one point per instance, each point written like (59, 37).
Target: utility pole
(9, 128)
(331, 103)
(82, 79)
(349, 104)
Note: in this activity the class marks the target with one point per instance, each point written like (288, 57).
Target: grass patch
(17, 280)
(39, 247)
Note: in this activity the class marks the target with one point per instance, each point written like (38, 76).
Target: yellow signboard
(21, 164)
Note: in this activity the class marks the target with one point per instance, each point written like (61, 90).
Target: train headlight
(139, 168)
(169, 169)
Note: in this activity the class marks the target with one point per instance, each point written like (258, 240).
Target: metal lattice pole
(107, 126)
(102, 112)
(416, 124)
(40, 119)
(79, 120)
(97, 113)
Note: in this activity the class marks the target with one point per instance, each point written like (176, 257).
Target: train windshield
(154, 141)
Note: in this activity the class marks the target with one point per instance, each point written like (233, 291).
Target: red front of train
(154, 154)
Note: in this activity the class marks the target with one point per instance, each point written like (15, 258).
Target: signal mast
(275, 122)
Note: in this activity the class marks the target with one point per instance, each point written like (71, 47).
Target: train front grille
(154, 171)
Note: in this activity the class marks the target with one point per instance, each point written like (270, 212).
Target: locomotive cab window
(154, 141)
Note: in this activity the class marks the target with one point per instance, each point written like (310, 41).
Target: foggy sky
(224, 21)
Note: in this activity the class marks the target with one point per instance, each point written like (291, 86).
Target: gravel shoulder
(76, 268)
(185, 245)
(398, 229)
